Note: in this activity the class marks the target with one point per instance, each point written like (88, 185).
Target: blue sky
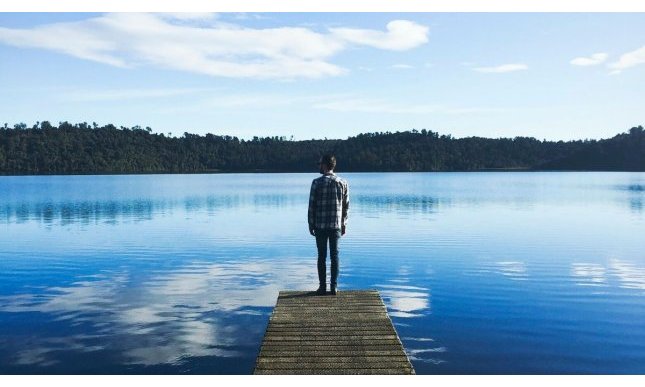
(316, 75)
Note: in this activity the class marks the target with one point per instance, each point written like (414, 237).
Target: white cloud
(629, 59)
(593, 60)
(505, 68)
(401, 35)
(185, 42)
(402, 66)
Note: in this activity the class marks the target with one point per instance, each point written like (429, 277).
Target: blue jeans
(322, 236)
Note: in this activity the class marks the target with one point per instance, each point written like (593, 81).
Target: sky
(554, 76)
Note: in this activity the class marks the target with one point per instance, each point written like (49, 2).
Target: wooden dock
(349, 333)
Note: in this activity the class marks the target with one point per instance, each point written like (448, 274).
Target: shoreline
(242, 172)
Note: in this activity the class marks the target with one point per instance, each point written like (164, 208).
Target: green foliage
(83, 149)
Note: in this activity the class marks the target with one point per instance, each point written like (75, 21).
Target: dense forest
(84, 149)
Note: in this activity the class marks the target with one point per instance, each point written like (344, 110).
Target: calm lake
(500, 272)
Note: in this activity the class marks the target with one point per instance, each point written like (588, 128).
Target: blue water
(481, 272)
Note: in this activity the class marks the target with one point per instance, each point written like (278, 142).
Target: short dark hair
(329, 160)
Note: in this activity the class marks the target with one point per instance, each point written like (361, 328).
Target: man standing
(328, 206)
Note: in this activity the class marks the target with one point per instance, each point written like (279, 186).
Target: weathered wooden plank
(270, 352)
(340, 317)
(344, 323)
(359, 362)
(281, 326)
(344, 306)
(330, 308)
(337, 317)
(330, 328)
(373, 371)
(323, 344)
(324, 301)
(329, 311)
(345, 294)
(337, 365)
(338, 336)
(275, 322)
(349, 333)
(333, 328)
(340, 356)
(326, 346)
(330, 331)
(331, 303)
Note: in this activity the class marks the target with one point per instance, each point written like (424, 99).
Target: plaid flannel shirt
(328, 202)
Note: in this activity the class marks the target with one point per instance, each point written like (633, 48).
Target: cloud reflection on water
(589, 274)
(629, 275)
(402, 299)
(166, 318)
(512, 269)
(405, 301)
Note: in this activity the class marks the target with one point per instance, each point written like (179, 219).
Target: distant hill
(92, 149)
(623, 152)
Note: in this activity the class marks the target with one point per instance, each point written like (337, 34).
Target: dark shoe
(332, 290)
(322, 289)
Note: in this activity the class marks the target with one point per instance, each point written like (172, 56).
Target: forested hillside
(83, 148)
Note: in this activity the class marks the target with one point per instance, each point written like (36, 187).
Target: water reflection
(112, 211)
(196, 310)
(636, 187)
(278, 201)
(636, 203)
(109, 211)
(426, 355)
(589, 274)
(403, 299)
(191, 286)
(400, 204)
(210, 202)
(514, 270)
(43, 353)
(423, 349)
(636, 195)
(406, 301)
(630, 275)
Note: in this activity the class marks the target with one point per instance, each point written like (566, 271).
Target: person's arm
(311, 214)
(345, 208)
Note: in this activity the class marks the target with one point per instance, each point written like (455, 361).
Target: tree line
(92, 149)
